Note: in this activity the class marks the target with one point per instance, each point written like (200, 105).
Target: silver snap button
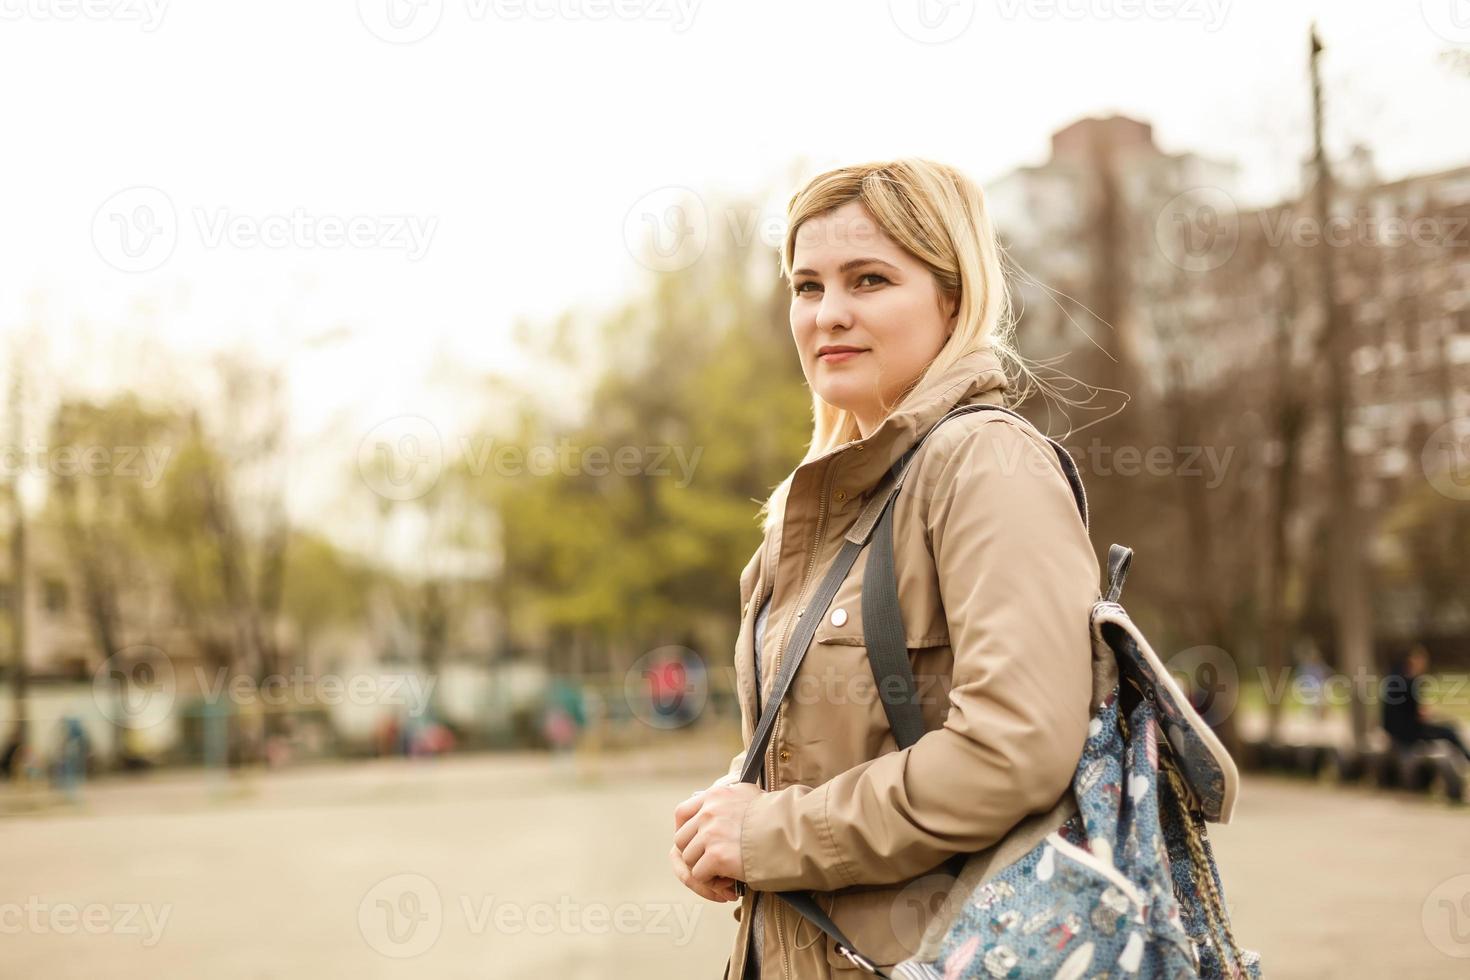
(839, 617)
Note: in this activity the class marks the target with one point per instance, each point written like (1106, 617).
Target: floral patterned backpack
(1127, 886)
(1118, 880)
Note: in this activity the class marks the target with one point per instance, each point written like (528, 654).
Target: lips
(834, 354)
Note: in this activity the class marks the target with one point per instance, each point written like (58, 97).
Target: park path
(508, 867)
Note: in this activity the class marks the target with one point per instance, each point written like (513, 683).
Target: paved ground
(508, 867)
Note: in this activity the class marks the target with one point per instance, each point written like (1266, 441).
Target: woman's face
(875, 309)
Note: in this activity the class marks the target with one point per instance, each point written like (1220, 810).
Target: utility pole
(20, 674)
(1351, 614)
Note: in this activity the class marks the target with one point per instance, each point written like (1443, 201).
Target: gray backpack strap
(796, 647)
(802, 901)
(1119, 558)
(883, 632)
(888, 654)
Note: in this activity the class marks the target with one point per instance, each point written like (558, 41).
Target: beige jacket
(996, 579)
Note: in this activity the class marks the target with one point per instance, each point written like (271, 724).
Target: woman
(899, 314)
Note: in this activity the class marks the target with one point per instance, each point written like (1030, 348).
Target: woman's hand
(719, 889)
(707, 831)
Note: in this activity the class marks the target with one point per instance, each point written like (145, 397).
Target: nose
(833, 313)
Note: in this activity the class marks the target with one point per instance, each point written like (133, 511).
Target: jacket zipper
(775, 670)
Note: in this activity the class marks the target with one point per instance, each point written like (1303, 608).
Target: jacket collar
(861, 464)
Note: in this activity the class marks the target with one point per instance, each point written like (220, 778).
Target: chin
(844, 396)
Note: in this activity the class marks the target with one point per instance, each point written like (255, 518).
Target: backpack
(1124, 881)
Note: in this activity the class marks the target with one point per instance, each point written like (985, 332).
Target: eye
(871, 275)
(801, 286)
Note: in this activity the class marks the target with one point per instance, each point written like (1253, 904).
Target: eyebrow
(849, 264)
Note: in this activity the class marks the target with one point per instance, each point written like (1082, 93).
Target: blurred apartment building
(1142, 267)
(1146, 255)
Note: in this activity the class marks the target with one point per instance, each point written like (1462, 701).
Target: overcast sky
(191, 170)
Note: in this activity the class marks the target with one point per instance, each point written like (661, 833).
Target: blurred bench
(1432, 766)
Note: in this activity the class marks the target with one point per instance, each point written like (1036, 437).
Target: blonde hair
(937, 214)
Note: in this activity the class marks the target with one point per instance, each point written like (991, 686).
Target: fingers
(706, 890)
(681, 872)
(702, 872)
(688, 808)
(712, 863)
(686, 833)
(692, 850)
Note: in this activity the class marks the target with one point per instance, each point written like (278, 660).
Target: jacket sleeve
(736, 764)
(1017, 577)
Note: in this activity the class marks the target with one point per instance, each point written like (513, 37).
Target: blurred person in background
(1313, 684)
(71, 761)
(563, 718)
(1405, 718)
(899, 313)
(12, 759)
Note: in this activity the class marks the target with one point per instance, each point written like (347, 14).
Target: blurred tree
(107, 515)
(697, 410)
